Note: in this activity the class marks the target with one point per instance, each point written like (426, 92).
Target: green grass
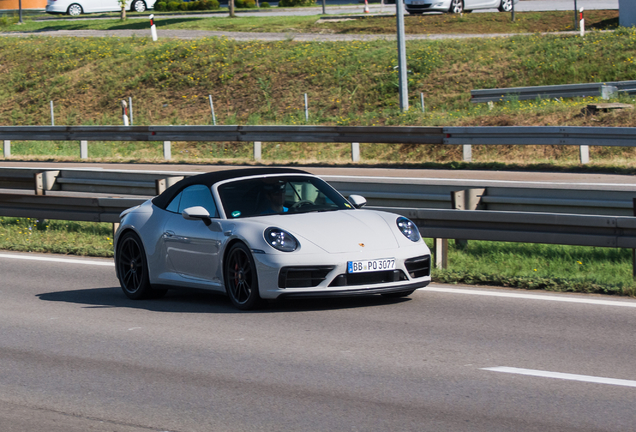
(348, 83)
(538, 266)
(55, 236)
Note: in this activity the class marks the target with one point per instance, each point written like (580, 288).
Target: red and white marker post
(366, 6)
(124, 113)
(153, 28)
(581, 22)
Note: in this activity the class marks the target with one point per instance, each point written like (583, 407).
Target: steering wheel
(300, 204)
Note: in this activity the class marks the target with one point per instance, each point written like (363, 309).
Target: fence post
(257, 151)
(355, 152)
(6, 148)
(584, 152)
(167, 152)
(83, 149)
(467, 152)
(440, 250)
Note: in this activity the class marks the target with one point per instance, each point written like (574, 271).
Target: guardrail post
(584, 152)
(257, 150)
(83, 149)
(467, 152)
(160, 186)
(355, 152)
(440, 250)
(39, 183)
(115, 228)
(469, 199)
(167, 153)
(6, 148)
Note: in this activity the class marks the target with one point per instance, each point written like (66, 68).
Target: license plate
(417, 2)
(371, 265)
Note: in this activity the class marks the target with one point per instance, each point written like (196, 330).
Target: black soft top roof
(212, 178)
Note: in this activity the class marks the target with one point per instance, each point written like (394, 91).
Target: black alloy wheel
(132, 268)
(241, 280)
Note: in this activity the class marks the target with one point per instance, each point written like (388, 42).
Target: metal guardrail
(386, 192)
(65, 208)
(542, 135)
(548, 92)
(92, 181)
(320, 134)
(484, 135)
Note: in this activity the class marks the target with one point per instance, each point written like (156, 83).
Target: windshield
(279, 195)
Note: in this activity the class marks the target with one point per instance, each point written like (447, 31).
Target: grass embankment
(348, 83)
(548, 267)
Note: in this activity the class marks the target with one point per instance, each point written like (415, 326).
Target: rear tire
(456, 7)
(241, 280)
(74, 10)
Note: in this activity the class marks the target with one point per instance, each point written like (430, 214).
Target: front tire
(505, 6)
(138, 6)
(74, 10)
(456, 7)
(132, 268)
(241, 280)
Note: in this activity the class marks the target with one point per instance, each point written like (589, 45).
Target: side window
(197, 195)
(174, 204)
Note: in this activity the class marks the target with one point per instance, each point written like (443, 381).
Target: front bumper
(281, 276)
(356, 292)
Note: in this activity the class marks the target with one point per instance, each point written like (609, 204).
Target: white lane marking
(563, 376)
(478, 181)
(60, 260)
(556, 298)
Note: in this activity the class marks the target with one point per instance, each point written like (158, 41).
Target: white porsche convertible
(266, 233)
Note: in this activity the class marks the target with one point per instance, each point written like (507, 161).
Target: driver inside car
(274, 194)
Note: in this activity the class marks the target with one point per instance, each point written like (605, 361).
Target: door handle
(168, 234)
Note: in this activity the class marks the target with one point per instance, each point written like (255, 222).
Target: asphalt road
(76, 355)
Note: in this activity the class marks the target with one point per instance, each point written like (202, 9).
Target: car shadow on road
(197, 301)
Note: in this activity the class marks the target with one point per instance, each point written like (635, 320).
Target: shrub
(239, 4)
(208, 4)
(264, 5)
(293, 3)
(250, 4)
(183, 6)
(173, 6)
(161, 6)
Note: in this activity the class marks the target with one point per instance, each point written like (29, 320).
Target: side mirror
(358, 201)
(197, 213)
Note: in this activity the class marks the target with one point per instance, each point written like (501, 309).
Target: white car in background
(456, 6)
(78, 7)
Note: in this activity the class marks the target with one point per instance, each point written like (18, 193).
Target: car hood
(339, 231)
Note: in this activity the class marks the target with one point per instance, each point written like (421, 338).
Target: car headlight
(409, 229)
(281, 240)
